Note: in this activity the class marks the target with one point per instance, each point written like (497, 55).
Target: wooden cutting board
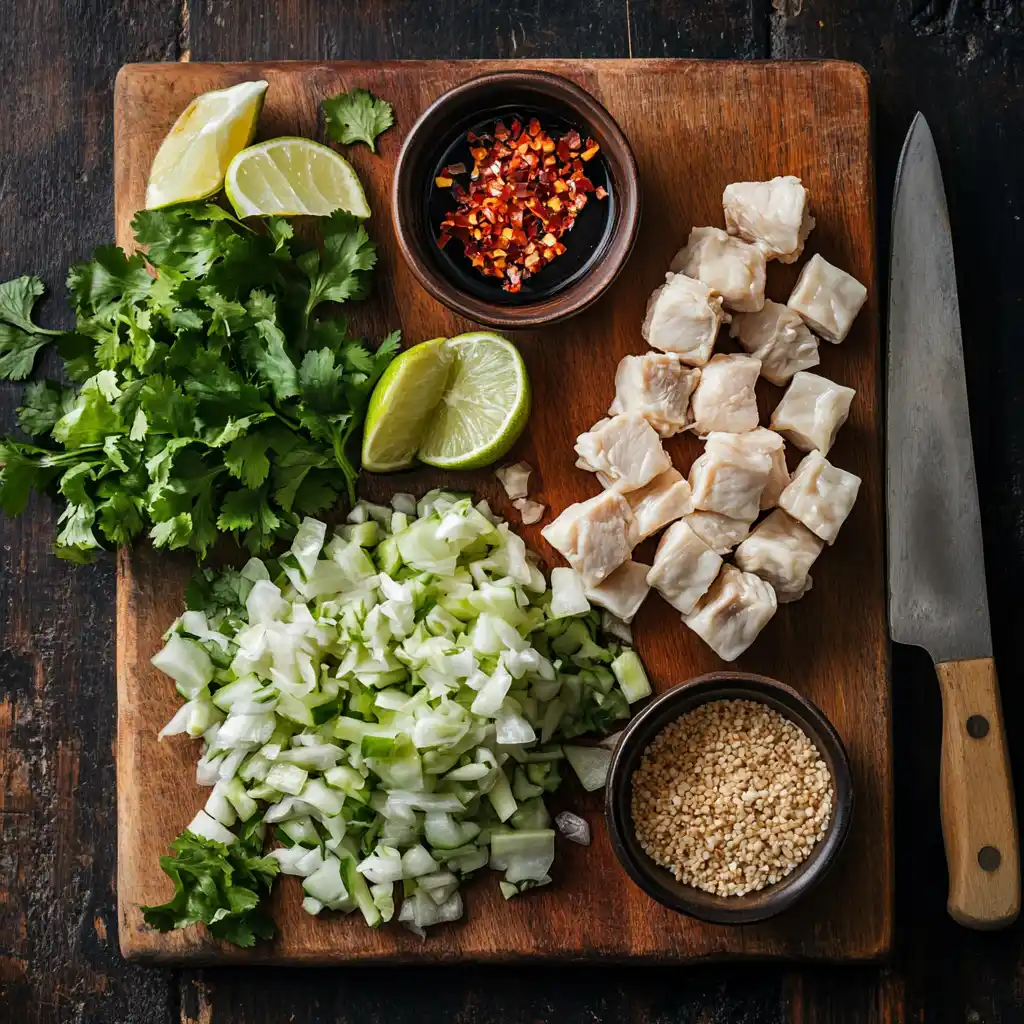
(695, 126)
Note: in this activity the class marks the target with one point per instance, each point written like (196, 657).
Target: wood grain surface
(961, 64)
(695, 126)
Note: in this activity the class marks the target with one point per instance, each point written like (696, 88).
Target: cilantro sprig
(213, 390)
(357, 116)
(219, 886)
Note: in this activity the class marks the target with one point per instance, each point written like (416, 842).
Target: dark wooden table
(960, 61)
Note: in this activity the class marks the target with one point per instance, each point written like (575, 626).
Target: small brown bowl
(657, 881)
(598, 244)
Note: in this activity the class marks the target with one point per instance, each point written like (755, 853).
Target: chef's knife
(937, 596)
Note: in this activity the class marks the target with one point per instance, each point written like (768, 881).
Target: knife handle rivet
(977, 728)
(989, 858)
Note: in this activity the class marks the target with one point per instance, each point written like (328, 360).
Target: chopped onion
(515, 479)
(530, 511)
(410, 678)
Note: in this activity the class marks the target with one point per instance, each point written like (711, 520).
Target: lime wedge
(484, 407)
(193, 159)
(405, 396)
(292, 177)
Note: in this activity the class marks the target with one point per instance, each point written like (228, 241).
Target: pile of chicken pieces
(719, 278)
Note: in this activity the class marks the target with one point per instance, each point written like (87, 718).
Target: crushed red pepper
(525, 191)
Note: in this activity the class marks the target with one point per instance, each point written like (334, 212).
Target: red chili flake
(601, 192)
(524, 193)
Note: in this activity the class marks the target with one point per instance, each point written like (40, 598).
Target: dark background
(960, 61)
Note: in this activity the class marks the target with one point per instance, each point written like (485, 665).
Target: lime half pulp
(484, 408)
(292, 177)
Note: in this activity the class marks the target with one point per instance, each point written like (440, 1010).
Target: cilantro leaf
(267, 356)
(357, 116)
(43, 406)
(320, 380)
(110, 276)
(341, 272)
(246, 460)
(17, 299)
(219, 886)
(20, 338)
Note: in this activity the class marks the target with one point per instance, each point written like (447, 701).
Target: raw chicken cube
(595, 536)
(624, 452)
(683, 316)
(720, 533)
(811, 412)
(779, 338)
(774, 215)
(781, 551)
(684, 567)
(666, 498)
(730, 476)
(827, 298)
(820, 495)
(623, 591)
(733, 268)
(658, 386)
(724, 398)
(778, 476)
(736, 608)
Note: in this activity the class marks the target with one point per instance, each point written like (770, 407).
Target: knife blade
(937, 593)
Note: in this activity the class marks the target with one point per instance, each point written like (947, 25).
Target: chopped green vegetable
(219, 886)
(357, 116)
(393, 701)
(214, 397)
(629, 671)
(590, 765)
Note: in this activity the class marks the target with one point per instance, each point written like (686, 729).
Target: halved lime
(193, 159)
(291, 177)
(484, 407)
(405, 396)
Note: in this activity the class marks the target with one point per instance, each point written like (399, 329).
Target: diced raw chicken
(658, 386)
(724, 398)
(624, 451)
(515, 478)
(820, 496)
(684, 567)
(623, 591)
(827, 298)
(730, 476)
(595, 536)
(781, 551)
(778, 476)
(732, 613)
(774, 215)
(666, 498)
(530, 511)
(779, 338)
(720, 533)
(726, 264)
(811, 412)
(683, 316)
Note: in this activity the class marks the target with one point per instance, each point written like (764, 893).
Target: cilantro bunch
(214, 389)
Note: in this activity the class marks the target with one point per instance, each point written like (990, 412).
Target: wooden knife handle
(979, 817)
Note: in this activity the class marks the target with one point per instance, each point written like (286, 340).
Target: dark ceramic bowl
(658, 882)
(599, 242)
